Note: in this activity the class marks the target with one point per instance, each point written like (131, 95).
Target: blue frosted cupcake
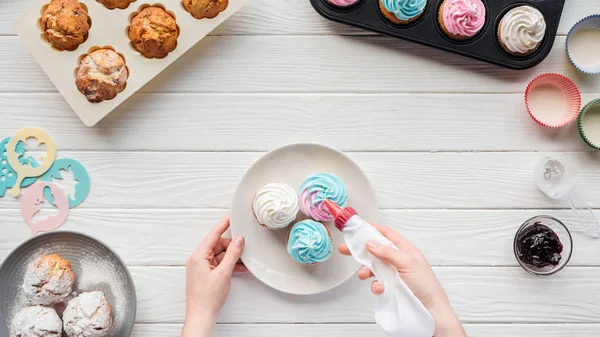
(318, 187)
(402, 11)
(309, 243)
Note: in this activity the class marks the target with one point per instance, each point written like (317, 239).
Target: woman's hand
(209, 271)
(417, 274)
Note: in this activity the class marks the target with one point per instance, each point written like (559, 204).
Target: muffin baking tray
(109, 29)
(426, 29)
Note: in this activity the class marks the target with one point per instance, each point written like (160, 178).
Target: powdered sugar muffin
(101, 75)
(88, 315)
(36, 321)
(48, 279)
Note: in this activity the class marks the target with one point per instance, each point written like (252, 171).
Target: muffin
(275, 206)
(318, 187)
(88, 315)
(462, 19)
(153, 32)
(36, 321)
(521, 30)
(402, 11)
(342, 3)
(112, 4)
(101, 75)
(48, 279)
(201, 9)
(309, 243)
(65, 24)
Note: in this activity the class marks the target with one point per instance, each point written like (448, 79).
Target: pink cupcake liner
(554, 116)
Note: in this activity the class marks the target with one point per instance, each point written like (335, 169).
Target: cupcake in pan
(275, 206)
(318, 187)
(309, 243)
(522, 30)
(101, 75)
(153, 32)
(462, 19)
(342, 3)
(402, 11)
(65, 24)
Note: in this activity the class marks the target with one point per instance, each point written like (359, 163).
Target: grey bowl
(111, 276)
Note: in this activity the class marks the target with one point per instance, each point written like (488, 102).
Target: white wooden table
(445, 140)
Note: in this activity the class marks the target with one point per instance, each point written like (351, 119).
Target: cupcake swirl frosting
(343, 3)
(318, 187)
(522, 29)
(275, 205)
(309, 242)
(463, 17)
(405, 9)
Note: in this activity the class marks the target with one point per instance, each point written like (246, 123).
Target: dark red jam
(539, 246)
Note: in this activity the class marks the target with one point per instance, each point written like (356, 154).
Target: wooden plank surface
(474, 238)
(259, 64)
(243, 122)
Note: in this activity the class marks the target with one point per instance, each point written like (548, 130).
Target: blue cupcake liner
(592, 21)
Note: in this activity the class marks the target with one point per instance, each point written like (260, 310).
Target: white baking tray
(109, 28)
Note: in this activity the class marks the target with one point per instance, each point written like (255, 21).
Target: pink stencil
(30, 205)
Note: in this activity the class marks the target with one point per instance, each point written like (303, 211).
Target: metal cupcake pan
(81, 251)
(109, 29)
(426, 30)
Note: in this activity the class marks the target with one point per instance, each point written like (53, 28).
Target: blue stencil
(80, 174)
(8, 177)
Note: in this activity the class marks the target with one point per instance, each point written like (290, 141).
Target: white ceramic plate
(265, 253)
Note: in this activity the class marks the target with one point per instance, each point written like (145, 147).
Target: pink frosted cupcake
(462, 19)
(342, 3)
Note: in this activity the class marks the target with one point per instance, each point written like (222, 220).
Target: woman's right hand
(417, 274)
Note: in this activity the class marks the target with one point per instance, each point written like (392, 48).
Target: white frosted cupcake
(275, 206)
(522, 30)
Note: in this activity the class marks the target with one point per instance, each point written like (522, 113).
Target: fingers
(377, 288)
(214, 236)
(365, 273)
(343, 249)
(240, 268)
(221, 246)
(232, 255)
(388, 254)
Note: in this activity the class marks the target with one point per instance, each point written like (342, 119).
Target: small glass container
(563, 235)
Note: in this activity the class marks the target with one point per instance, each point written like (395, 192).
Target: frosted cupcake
(462, 19)
(318, 187)
(402, 11)
(275, 206)
(309, 243)
(342, 3)
(522, 30)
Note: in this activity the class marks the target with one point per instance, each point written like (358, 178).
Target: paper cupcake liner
(580, 126)
(589, 22)
(572, 95)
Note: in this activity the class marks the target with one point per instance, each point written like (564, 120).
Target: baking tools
(583, 45)
(29, 169)
(397, 311)
(8, 177)
(588, 124)
(426, 29)
(109, 28)
(553, 100)
(557, 178)
(34, 197)
(80, 174)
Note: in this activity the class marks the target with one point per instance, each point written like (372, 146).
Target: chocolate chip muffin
(201, 9)
(112, 4)
(153, 32)
(65, 24)
(101, 75)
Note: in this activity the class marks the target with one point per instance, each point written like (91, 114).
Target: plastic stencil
(33, 198)
(80, 174)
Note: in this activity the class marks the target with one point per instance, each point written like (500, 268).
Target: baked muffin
(101, 75)
(36, 321)
(201, 9)
(112, 4)
(153, 32)
(65, 24)
(48, 279)
(88, 315)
